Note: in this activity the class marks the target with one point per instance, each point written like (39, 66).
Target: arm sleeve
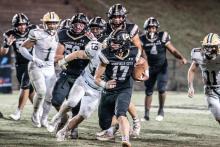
(103, 58)
(24, 52)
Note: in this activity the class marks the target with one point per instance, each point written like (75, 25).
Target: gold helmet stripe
(210, 38)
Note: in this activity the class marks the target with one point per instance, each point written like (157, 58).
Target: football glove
(62, 64)
(38, 62)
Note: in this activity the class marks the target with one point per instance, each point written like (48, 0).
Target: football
(139, 70)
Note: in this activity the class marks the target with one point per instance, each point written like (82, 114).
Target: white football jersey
(210, 68)
(45, 46)
(92, 50)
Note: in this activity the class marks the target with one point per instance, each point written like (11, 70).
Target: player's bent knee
(105, 123)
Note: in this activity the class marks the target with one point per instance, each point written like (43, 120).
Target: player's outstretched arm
(190, 78)
(23, 49)
(176, 53)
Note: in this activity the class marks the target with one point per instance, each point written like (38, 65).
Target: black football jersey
(71, 44)
(20, 38)
(120, 70)
(156, 49)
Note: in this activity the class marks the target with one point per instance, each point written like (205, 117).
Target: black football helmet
(18, 19)
(79, 18)
(117, 10)
(98, 22)
(119, 42)
(150, 22)
(65, 24)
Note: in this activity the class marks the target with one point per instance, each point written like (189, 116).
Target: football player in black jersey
(117, 15)
(73, 39)
(13, 38)
(155, 45)
(117, 63)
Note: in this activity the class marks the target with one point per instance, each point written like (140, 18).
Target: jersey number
(124, 69)
(48, 55)
(213, 76)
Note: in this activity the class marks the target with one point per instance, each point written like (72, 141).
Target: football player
(117, 63)
(13, 38)
(84, 88)
(207, 58)
(70, 40)
(155, 45)
(117, 16)
(41, 66)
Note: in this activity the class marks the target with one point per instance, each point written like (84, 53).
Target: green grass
(187, 123)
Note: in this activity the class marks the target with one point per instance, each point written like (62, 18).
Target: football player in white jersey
(41, 66)
(84, 89)
(207, 58)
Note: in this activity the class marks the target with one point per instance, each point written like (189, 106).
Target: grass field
(187, 123)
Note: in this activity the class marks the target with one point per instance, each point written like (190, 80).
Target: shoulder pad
(33, 27)
(102, 56)
(8, 33)
(196, 55)
(91, 49)
(35, 34)
(165, 37)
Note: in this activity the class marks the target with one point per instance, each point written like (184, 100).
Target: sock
(125, 138)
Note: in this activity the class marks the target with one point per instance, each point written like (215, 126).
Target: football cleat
(16, 116)
(62, 134)
(159, 118)
(101, 133)
(44, 122)
(105, 136)
(74, 133)
(126, 144)
(36, 120)
(52, 126)
(160, 115)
